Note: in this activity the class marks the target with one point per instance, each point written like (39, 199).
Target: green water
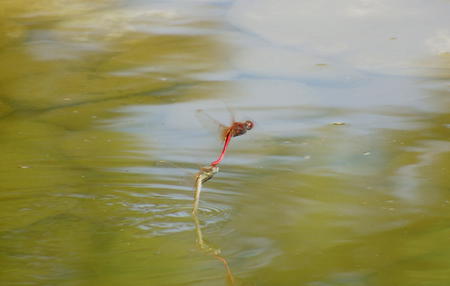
(343, 181)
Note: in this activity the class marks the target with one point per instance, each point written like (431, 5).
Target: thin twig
(205, 174)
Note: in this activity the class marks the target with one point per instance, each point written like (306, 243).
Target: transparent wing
(232, 112)
(178, 174)
(211, 124)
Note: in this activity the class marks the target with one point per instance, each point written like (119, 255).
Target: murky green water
(344, 180)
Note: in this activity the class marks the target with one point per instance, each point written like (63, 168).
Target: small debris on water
(367, 153)
(338, 123)
(24, 167)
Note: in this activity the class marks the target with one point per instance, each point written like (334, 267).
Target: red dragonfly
(227, 132)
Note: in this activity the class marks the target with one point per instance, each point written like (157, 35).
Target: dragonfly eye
(249, 124)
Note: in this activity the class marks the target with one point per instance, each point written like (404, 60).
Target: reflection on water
(94, 94)
(214, 252)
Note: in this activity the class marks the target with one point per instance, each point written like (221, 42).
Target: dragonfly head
(249, 124)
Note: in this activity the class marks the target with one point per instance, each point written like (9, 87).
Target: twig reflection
(204, 175)
(215, 252)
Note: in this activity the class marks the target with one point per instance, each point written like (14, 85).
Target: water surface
(343, 181)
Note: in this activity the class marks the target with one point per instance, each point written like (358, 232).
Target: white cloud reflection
(377, 36)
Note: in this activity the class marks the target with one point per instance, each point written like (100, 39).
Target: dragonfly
(227, 132)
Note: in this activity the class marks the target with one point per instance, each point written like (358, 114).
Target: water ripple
(166, 210)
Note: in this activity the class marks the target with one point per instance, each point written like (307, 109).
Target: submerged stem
(204, 175)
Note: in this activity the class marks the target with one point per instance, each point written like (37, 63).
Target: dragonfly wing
(211, 124)
(232, 113)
